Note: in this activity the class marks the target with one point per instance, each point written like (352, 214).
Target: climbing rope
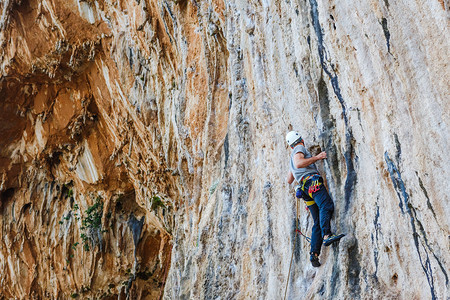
(297, 230)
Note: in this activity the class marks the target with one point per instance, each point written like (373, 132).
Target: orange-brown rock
(71, 137)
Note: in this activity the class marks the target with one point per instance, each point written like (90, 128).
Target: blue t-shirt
(300, 172)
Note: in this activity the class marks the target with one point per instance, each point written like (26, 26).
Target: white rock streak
(85, 168)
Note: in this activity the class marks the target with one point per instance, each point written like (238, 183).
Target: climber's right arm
(301, 162)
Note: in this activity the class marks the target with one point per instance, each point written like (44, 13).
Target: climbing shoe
(314, 259)
(332, 239)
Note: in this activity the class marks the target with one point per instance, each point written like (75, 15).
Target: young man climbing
(311, 189)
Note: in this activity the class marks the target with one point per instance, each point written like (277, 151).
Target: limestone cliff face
(142, 151)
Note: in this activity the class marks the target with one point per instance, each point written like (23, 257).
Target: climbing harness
(297, 230)
(314, 187)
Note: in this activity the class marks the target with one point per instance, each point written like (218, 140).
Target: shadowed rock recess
(142, 151)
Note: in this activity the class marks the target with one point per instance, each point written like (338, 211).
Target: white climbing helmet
(292, 137)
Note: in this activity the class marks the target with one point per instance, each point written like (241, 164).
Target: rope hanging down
(297, 230)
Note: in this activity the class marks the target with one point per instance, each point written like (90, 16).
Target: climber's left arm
(290, 177)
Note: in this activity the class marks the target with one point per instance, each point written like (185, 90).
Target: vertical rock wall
(143, 153)
(356, 80)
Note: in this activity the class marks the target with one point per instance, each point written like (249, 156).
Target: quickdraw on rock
(301, 233)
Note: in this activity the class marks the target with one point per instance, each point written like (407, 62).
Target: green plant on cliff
(157, 202)
(67, 191)
(92, 223)
(94, 215)
(74, 246)
(160, 207)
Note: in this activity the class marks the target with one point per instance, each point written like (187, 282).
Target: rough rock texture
(142, 149)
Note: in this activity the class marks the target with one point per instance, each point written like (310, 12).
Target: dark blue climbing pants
(321, 211)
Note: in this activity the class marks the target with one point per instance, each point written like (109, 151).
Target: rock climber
(312, 190)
